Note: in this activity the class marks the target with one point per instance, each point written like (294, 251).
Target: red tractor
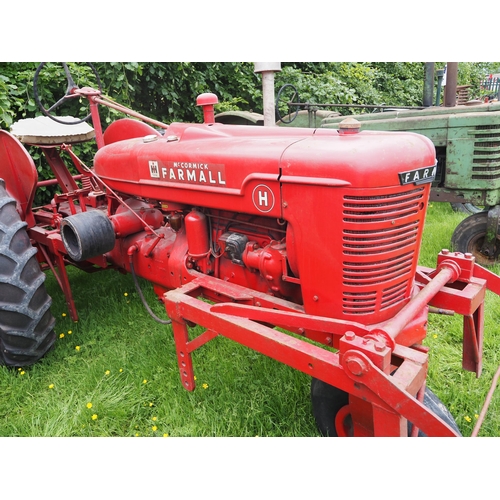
(243, 229)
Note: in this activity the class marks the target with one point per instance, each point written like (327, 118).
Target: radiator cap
(349, 126)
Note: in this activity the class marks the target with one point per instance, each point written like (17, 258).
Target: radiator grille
(380, 237)
(486, 157)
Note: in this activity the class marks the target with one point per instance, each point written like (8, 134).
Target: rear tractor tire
(26, 323)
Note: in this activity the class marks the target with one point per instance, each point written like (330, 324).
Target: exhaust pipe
(450, 91)
(428, 84)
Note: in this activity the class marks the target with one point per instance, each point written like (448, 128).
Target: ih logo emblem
(153, 169)
(263, 198)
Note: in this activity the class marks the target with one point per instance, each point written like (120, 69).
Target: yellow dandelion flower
(94, 416)
(468, 418)
(19, 369)
(154, 428)
(51, 386)
(150, 404)
(89, 405)
(22, 372)
(63, 315)
(205, 386)
(107, 372)
(154, 419)
(125, 294)
(144, 381)
(434, 336)
(69, 332)
(77, 347)
(121, 369)
(61, 336)
(165, 435)
(195, 377)
(476, 416)
(136, 434)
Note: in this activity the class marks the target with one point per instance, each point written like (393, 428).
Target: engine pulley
(87, 235)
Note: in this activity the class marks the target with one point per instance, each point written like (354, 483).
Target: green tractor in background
(466, 134)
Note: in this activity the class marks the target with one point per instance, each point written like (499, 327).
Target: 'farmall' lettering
(209, 174)
(419, 176)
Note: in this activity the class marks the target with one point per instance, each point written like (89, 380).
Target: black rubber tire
(433, 403)
(328, 400)
(469, 235)
(466, 208)
(26, 323)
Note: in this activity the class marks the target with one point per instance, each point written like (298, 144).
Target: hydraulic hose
(130, 252)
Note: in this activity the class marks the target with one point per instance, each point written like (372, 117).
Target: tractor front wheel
(26, 323)
(466, 208)
(330, 410)
(469, 236)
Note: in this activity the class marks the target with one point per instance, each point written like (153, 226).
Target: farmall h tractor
(243, 229)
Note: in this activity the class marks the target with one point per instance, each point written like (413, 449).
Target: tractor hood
(223, 166)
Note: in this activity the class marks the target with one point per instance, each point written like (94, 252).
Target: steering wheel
(286, 101)
(69, 94)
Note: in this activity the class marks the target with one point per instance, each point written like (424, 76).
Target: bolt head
(356, 366)
(350, 335)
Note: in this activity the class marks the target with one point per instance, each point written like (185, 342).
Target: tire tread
(26, 327)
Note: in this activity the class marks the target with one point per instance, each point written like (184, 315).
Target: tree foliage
(167, 91)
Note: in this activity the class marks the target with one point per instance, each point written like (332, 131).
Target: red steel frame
(385, 379)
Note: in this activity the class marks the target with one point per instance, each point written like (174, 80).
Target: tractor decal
(418, 176)
(188, 172)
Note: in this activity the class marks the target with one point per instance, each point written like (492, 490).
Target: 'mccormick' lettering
(213, 174)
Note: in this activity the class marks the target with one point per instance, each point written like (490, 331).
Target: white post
(268, 70)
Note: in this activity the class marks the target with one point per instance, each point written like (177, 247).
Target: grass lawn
(114, 373)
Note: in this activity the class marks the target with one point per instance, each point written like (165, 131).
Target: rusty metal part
(450, 92)
(486, 404)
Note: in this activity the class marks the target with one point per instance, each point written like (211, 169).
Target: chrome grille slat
(380, 233)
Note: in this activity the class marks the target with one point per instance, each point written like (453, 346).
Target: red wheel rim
(341, 422)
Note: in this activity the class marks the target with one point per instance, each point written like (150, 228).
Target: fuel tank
(241, 168)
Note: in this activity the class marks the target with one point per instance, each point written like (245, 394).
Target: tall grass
(114, 372)
(461, 391)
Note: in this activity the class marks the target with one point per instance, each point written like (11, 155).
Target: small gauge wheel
(331, 410)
